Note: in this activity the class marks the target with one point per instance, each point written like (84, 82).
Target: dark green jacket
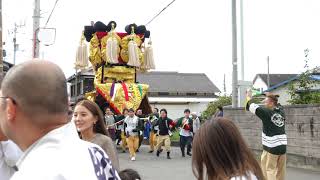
(274, 138)
(188, 126)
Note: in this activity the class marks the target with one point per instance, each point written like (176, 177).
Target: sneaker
(133, 158)
(158, 153)
(123, 151)
(151, 151)
(189, 154)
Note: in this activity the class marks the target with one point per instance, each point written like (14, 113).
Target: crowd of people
(41, 140)
(130, 128)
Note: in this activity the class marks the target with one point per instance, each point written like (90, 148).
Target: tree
(213, 106)
(301, 91)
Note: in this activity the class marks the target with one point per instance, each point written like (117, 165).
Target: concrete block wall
(302, 129)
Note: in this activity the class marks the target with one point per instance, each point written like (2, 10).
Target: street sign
(47, 36)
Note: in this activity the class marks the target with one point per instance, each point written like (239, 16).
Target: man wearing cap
(34, 115)
(131, 124)
(274, 138)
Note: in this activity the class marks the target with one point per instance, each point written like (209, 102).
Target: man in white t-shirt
(9, 155)
(34, 115)
(132, 133)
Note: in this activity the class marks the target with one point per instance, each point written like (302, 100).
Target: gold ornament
(95, 52)
(119, 101)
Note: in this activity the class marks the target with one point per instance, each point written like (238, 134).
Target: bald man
(34, 115)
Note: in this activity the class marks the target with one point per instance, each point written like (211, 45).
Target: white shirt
(183, 132)
(132, 123)
(9, 155)
(62, 155)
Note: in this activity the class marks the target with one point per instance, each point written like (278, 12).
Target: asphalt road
(151, 167)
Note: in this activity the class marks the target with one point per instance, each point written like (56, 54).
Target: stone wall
(302, 129)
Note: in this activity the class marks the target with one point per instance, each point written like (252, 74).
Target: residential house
(282, 89)
(260, 81)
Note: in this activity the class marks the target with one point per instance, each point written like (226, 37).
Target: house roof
(86, 72)
(6, 65)
(177, 82)
(274, 78)
(315, 77)
(171, 82)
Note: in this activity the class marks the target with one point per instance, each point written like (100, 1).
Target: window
(192, 94)
(78, 88)
(163, 93)
(72, 91)
(88, 85)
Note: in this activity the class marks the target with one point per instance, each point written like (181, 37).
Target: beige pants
(152, 140)
(273, 166)
(124, 141)
(163, 140)
(133, 143)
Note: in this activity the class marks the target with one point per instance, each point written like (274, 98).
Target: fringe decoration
(112, 89)
(125, 89)
(112, 50)
(133, 54)
(115, 92)
(82, 59)
(140, 89)
(148, 57)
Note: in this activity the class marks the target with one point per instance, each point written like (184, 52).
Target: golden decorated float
(116, 58)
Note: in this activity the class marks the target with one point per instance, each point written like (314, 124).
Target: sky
(189, 36)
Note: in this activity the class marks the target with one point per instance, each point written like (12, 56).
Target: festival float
(116, 58)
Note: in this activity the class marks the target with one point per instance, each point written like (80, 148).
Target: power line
(55, 4)
(160, 12)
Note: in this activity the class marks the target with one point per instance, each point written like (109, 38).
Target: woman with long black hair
(90, 124)
(220, 153)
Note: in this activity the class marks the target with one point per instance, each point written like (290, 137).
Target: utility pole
(1, 45)
(76, 86)
(15, 45)
(268, 76)
(234, 56)
(241, 39)
(224, 84)
(36, 26)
